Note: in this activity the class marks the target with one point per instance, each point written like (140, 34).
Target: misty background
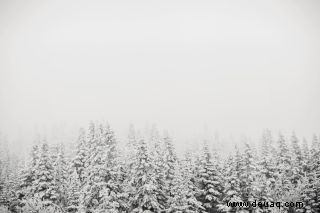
(193, 68)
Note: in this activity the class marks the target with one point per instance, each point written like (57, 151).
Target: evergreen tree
(231, 192)
(182, 198)
(189, 178)
(73, 202)
(283, 164)
(247, 175)
(143, 183)
(315, 145)
(44, 186)
(170, 165)
(312, 192)
(100, 163)
(266, 143)
(160, 169)
(306, 157)
(79, 161)
(4, 169)
(297, 164)
(262, 187)
(210, 182)
(131, 148)
(61, 174)
(27, 174)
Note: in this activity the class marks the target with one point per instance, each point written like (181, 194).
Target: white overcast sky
(231, 66)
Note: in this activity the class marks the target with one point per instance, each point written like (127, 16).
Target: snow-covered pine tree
(190, 187)
(61, 174)
(266, 143)
(266, 161)
(297, 160)
(27, 174)
(267, 168)
(306, 156)
(158, 158)
(44, 186)
(79, 161)
(131, 148)
(182, 199)
(88, 176)
(284, 153)
(143, 183)
(78, 167)
(171, 163)
(100, 174)
(248, 171)
(73, 189)
(310, 194)
(209, 182)
(315, 146)
(265, 181)
(283, 163)
(263, 192)
(177, 201)
(305, 149)
(4, 169)
(231, 186)
(114, 199)
(9, 176)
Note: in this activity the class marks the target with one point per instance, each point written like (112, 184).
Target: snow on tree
(131, 148)
(209, 182)
(182, 199)
(44, 186)
(79, 161)
(189, 177)
(143, 183)
(311, 194)
(247, 175)
(158, 158)
(267, 146)
(4, 169)
(149, 175)
(306, 157)
(170, 160)
(27, 174)
(315, 146)
(231, 192)
(73, 199)
(263, 192)
(297, 160)
(99, 164)
(114, 194)
(60, 173)
(283, 163)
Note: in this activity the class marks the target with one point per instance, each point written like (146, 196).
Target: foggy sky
(228, 66)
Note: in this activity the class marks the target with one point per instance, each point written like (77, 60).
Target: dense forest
(149, 175)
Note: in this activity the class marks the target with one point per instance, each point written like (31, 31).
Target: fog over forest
(234, 68)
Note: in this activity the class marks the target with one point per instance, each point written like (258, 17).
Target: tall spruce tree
(297, 160)
(100, 174)
(231, 187)
(143, 183)
(209, 182)
(170, 165)
(247, 175)
(61, 174)
(44, 186)
(79, 161)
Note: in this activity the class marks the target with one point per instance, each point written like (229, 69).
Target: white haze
(231, 67)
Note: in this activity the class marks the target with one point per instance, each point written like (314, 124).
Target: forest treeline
(147, 175)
